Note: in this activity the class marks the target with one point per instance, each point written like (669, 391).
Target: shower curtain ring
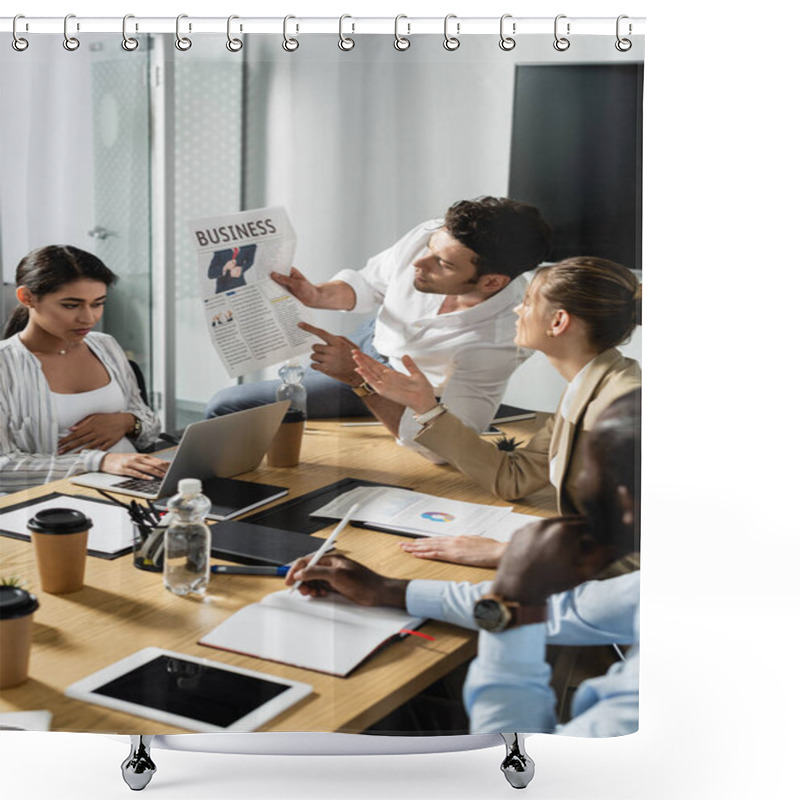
(129, 43)
(401, 42)
(451, 42)
(234, 45)
(345, 42)
(289, 44)
(182, 43)
(623, 45)
(18, 43)
(507, 42)
(70, 42)
(561, 43)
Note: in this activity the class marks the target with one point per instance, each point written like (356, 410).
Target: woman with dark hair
(575, 312)
(69, 401)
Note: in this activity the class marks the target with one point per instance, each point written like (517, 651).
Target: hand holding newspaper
(252, 320)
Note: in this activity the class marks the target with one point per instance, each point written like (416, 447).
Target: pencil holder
(148, 547)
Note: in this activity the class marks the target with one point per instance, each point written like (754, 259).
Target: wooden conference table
(121, 609)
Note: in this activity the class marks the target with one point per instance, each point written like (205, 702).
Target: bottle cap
(189, 486)
(59, 520)
(16, 602)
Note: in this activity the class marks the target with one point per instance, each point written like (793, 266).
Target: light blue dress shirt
(508, 685)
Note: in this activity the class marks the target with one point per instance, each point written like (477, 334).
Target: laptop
(212, 448)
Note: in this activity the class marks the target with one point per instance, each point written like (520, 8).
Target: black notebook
(243, 543)
(295, 514)
(506, 413)
(230, 497)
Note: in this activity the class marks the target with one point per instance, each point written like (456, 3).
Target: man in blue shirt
(542, 594)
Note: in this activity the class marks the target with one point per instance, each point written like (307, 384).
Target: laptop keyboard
(140, 485)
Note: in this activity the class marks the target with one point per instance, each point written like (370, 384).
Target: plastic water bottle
(187, 542)
(292, 389)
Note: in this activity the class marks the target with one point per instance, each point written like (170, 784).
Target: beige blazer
(512, 475)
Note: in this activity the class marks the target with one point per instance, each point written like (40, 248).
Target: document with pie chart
(416, 513)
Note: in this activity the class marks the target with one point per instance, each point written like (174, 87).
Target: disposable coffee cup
(284, 450)
(16, 626)
(59, 537)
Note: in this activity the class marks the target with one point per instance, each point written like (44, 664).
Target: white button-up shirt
(467, 355)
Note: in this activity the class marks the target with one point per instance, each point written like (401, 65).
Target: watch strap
(363, 389)
(429, 416)
(512, 614)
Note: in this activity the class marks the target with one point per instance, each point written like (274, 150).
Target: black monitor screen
(576, 154)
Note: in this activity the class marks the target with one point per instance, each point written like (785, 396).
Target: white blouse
(29, 429)
(566, 403)
(72, 408)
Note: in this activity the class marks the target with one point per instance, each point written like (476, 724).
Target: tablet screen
(189, 689)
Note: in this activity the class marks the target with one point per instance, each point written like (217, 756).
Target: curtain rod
(402, 25)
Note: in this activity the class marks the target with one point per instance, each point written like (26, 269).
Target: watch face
(490, 615)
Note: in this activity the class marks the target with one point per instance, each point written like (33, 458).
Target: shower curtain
(116, 152)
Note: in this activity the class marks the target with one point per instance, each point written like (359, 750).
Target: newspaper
(252, 320)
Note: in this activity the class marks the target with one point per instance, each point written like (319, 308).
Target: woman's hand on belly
(97, 432)
(135, 465)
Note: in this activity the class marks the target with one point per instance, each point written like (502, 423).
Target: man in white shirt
(443, 294)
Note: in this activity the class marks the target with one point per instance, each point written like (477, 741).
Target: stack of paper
(415, 513)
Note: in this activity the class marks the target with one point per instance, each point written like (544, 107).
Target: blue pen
(224, 569)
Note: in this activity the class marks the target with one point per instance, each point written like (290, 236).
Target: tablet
(193, 693)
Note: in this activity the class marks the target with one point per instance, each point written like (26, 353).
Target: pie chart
(438, 516)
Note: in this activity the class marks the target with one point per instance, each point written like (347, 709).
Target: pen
(224, 569)
(328, 543)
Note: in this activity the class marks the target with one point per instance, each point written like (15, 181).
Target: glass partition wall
(358, 147)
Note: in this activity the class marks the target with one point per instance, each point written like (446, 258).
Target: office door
(120, 233)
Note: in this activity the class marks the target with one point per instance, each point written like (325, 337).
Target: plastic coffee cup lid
(59, 520)
(16, 602)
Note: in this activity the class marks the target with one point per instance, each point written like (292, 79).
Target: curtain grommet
(507, 43)
(182, 43)
(451, 43)
(561, 43)
(289, 44)
(71, 43)
(19, 43)
(233, 44)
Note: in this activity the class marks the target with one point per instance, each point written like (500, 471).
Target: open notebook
(325, 634)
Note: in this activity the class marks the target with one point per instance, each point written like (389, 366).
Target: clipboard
(295, 515)
(25, 537)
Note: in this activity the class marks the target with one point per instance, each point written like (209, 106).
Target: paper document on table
(252, 320)
(326, 634)
(416, 513)
(111, 532)
(505, 528)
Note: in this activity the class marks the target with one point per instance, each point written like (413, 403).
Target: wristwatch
(430, 416)
(137, 429)
(363, 389)
(495, 614)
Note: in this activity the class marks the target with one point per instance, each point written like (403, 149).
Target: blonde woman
(576, 312)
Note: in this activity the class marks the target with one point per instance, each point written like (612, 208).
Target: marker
(328, 543)
(224, 569)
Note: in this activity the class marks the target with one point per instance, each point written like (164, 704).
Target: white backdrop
(720, 603)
